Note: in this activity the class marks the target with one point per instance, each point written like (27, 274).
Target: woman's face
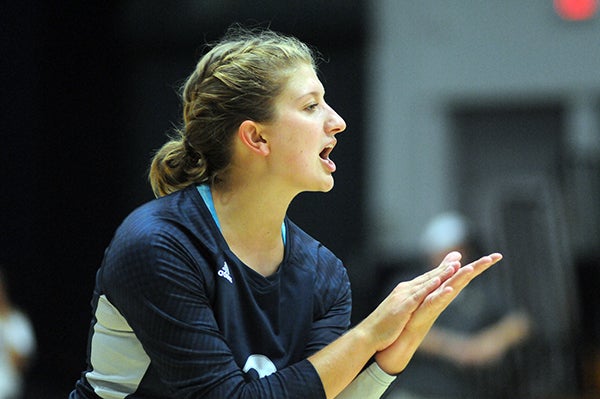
(302, 133)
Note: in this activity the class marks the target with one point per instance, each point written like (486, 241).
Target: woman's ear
(249, 133)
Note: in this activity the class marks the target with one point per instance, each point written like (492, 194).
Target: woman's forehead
(302, 81)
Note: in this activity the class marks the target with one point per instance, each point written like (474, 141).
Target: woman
(210, 291)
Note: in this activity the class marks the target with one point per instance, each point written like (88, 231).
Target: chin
(327, 187)
(324, 185)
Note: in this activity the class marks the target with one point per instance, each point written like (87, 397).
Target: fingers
(459, 280)
(446, 281)
(418, 288)
(439, 299)
(426, 283)
(395, 311)
(419, 292)
(468, 272)
(445, 270)
(452, 280)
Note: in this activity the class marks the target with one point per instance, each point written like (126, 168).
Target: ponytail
(174, 167)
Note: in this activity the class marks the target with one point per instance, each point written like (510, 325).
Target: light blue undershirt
(204, 190)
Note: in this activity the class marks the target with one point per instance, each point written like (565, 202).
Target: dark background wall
(89, 92)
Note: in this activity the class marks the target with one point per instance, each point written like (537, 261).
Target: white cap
(445, 231)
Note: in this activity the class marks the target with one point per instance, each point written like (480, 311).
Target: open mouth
(325, 153)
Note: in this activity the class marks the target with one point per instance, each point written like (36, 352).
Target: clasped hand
(402, 320)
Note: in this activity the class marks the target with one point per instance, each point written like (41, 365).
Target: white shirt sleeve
(17, 334)
(369, 384)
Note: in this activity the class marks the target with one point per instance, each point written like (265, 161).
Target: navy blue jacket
(177, 315)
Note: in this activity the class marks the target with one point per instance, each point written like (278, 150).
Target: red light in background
(576, 10)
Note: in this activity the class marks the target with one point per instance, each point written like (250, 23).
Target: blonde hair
(237, 80)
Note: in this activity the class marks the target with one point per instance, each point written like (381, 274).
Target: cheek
(299, 157)
(298, 149)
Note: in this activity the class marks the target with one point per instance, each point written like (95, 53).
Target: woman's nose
(336, 123)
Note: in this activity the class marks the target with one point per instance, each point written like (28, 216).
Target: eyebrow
(315, 93)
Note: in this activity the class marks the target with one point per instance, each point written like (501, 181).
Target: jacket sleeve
(333, 307)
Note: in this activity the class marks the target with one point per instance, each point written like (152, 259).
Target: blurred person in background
(462, 355)
(17, 345)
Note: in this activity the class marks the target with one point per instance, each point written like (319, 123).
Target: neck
(251, 219)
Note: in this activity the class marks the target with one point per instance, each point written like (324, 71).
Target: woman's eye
(312, 107)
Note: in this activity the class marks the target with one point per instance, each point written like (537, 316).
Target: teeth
(326, 151)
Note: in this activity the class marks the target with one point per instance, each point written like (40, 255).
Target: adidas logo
(224, 272)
